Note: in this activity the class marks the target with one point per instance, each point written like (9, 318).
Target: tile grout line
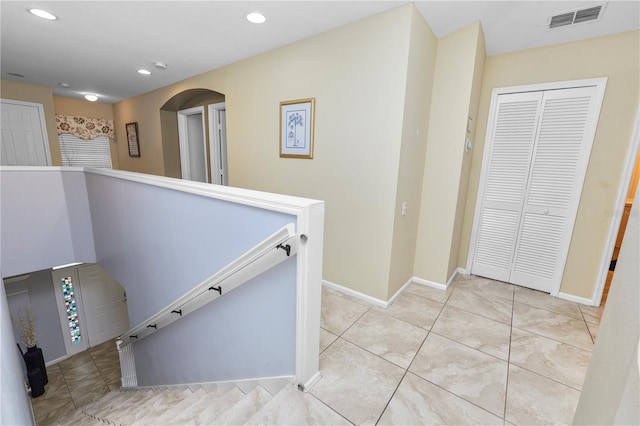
(506, 388)
(406, 371)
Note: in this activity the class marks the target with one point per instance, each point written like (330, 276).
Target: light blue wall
(248, 333)
(35, 212)
(159, 243)
(14, 401)
(40, 296)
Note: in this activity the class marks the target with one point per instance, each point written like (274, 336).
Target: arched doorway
(193, 127)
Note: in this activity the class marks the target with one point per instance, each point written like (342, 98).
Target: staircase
(204, 405)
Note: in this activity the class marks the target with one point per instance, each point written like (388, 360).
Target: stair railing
(265, 255)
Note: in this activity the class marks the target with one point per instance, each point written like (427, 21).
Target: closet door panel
(555, 183)
(513, 133)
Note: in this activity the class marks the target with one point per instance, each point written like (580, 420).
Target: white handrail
(262, 257)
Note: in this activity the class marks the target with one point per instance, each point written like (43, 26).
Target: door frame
(600, 84)
(183, 141)
(214, 143)
(43, 124)
(616, 214)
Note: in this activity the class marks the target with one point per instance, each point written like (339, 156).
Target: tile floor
(77, 381)
(482, 352)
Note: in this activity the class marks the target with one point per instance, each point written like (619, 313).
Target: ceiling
(97, 46)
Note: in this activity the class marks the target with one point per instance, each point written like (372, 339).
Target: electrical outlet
(404, 208)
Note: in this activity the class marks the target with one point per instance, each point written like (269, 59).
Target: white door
(193, 148)
(69, 299)
(538, 150)
(218, 143)
(23, 136)
(104, 302)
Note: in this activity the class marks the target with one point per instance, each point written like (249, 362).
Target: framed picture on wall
(132, 139)
(296, 128)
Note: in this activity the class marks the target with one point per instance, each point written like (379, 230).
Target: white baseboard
(386, 304)
(57, 360)
(399, 292)
(356, 294)
(440, 286)
(577, 299)
(429, 283)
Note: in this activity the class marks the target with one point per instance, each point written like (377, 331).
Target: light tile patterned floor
(483, 352)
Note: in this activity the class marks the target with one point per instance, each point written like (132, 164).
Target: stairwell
(204, 405)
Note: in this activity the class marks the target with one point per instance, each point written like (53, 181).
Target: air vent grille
(578, 16)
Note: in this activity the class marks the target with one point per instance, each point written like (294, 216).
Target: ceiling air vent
(577, 16)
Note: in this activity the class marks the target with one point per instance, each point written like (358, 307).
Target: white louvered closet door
(514, 131)
(539, 150)
(555, 183)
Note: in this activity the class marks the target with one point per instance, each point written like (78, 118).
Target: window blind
(85, 153)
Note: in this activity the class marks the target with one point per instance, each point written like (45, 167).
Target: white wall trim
(616, 214)
(385, 304)
(439, 286)
(215, 154)
(264, 200)
(183, 140)
(577, 299)
(356, 294)
(429, 283)
(57, 360)
(554, 85)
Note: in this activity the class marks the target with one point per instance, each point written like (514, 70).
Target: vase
(34, 359)
(35, 381)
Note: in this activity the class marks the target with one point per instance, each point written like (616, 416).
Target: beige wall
(357, 73)
(422, 56)
(459, 63)
(610, 391)
(41, 95)
(84, 108)
(474, 104)
(616, 57)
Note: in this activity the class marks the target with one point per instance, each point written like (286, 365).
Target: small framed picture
(296, 128)
(132, 139)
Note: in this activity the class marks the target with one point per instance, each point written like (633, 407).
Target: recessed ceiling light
(91, 97)
(64, 84)
(144, 72)
(43, 14)
(256, 18)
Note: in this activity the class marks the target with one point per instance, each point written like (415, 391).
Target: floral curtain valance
(84, 127)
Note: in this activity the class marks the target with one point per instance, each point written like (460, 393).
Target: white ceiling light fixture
(256, 18)
(91, 97)
(64, 84)
(43, 14)
(144, 72)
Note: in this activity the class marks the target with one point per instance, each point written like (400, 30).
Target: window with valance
(84, 141)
